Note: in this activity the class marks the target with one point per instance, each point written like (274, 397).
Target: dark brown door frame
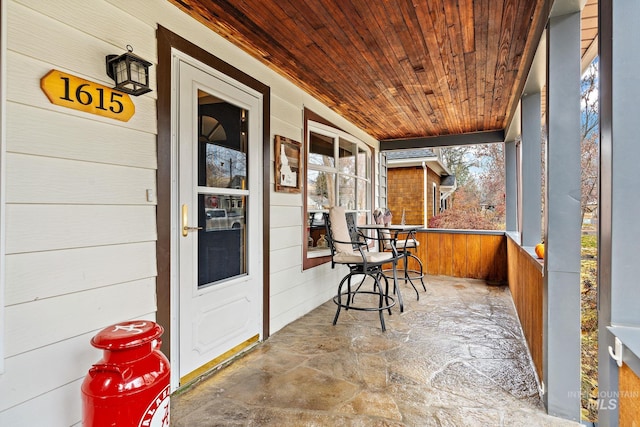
(166, 41)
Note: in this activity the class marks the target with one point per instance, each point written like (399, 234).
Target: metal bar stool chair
(356, 256)
(404, 249)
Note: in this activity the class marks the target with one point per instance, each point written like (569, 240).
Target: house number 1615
(73, 92)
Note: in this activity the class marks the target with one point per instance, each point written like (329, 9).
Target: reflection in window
(225, 168)
(211, 129)
(347, 157)
(223, 143)
(346, 182)
(222, 190)
(320, 189)
(364, 163)
(347, 192)
(363, 194)
(321, 150)
(222, 239)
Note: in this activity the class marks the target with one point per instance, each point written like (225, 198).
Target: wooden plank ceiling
(589, 32)
(395, 68)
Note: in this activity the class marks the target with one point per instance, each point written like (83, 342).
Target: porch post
(511, 188)
(531, 169)
(607, 368)
(618, 266)
(561, 294)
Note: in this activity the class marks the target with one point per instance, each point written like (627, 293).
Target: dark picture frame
(288, 165)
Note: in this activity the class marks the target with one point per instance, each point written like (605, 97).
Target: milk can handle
(107, 367)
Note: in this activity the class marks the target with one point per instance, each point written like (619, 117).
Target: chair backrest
(352, 226)
(339, 230)
(385, 234)
(383, 216)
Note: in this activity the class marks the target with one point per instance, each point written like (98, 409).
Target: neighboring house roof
(410, 154)
(448, 181)
(415, 158)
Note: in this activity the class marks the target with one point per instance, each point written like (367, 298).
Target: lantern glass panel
(138, 73)
(121, 72)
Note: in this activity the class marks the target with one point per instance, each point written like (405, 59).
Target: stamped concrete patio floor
(456, 357)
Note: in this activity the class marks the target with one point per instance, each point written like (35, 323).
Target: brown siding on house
(629, 386)
(405, 192)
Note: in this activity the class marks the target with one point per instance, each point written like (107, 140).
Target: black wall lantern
(130, 72)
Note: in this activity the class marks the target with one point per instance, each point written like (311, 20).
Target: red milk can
(129, 386)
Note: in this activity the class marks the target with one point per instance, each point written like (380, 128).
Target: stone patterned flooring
(456, 357)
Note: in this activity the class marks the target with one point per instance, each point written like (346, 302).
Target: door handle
(185, 222)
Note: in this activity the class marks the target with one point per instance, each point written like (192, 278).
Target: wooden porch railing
(464, 253)
(525, 283)
(629, 387)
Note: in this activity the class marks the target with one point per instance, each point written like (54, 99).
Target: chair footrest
(347, 298)
(413, 274)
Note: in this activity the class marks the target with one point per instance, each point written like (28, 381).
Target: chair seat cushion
(356, 258)
(411, 243)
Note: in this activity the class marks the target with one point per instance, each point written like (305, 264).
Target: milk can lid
(126, 335)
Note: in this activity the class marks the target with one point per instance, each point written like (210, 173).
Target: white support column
(511, 182)
(561, 301)
(531, 169)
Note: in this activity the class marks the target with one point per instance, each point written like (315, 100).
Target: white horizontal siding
(95, 28)
(32, 228)
(101, 20)
(285, 128)
(60, 407)
(27, 377)
(283, 259)
(285, 199)
(44, 180)
(289, 113)
(281, 281)
(40, 323)
(285, 216)
(39, 275)
(305, 297)
(84, 138)
(319, 290)
(286, 237)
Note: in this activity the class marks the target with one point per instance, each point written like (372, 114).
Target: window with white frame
(383, 181)
(338, 174)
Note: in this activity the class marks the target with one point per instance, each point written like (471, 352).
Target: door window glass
(222, 239)
(222, 190)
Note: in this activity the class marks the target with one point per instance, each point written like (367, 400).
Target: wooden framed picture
(288, 168)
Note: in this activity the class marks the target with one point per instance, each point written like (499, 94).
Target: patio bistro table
(395, 230)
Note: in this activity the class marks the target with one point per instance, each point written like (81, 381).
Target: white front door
(219, 206)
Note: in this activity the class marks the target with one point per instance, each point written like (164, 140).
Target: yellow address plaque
(80, 94)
